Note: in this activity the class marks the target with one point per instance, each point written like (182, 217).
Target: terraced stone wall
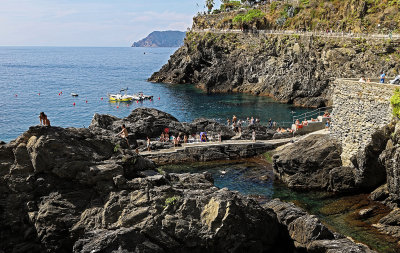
(359, 110)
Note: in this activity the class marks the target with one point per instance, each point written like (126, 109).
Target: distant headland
(162, 39)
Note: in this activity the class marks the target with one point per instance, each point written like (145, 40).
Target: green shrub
(272, 7)
(268, 157)
(395, 101)
(171, 201)
(231, 5)
(217, 11)
(250, 17)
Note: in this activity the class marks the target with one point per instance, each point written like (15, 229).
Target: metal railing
(330, 34)
(312, 114)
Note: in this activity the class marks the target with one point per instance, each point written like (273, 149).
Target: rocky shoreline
(72, 190)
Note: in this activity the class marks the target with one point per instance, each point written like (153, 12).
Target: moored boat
(120, 97)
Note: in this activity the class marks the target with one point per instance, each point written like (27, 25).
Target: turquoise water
(339, 213)
(27, 72)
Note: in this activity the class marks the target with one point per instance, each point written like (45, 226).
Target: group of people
(237, 124)
(305, 122)
(382, 79)
(177, 139)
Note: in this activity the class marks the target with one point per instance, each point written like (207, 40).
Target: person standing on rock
(148, 143)
(124, 134)
(253, 136)
(383, 75)
(41, 118)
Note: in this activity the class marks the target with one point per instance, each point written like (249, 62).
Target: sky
(106, 23)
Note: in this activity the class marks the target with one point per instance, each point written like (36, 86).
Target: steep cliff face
(291, 68)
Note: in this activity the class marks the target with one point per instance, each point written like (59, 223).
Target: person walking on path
(383, 75)
(124, 134)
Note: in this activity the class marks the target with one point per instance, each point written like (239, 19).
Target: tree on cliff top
(210, 5)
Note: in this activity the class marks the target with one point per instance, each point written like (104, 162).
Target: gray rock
(313, 163)
(370, 172)
(308, 233)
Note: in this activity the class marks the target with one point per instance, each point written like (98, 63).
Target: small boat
(140, 96)
(120, 97)
(74, 94)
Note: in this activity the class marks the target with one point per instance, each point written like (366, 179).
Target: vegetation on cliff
(338, 15)
(395, 101)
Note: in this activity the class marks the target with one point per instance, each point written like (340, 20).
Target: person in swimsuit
(124, 134)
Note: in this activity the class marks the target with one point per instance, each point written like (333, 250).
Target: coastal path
(277, 142)
(300, 33)
(211, 151)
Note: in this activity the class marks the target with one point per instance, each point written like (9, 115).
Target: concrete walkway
(277, 142)
(211, 144)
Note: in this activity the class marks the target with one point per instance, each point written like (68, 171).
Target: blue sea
(35, 79)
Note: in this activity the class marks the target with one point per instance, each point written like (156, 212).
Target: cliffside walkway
(211, 151)
(309, 34)
(276, 142)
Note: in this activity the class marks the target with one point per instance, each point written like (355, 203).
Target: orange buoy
(117, 107)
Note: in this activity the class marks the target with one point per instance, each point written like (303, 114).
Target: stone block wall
(359, 109)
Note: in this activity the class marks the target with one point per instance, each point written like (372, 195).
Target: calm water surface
(27, 72)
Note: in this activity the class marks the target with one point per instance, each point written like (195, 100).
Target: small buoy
(158, 98)
(101, 98)
(86, 101)
(16, 95)
(137, 102)
(59, 94)
(39, 94)
(117, 107)
(151, 100)
(73, 104)
(127, 105)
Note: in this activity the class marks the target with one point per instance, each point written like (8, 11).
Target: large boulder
(390, 224)
(369, 170)
(211, 127)
(308, 233)
(163, 218)
(47, 176)
(262, 132)
(150, 122)
(313, 163)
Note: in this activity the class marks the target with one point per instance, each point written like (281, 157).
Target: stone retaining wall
(359, 110)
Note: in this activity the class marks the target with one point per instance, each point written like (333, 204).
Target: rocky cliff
(75, 190)
(162, 39)
(291, 68)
